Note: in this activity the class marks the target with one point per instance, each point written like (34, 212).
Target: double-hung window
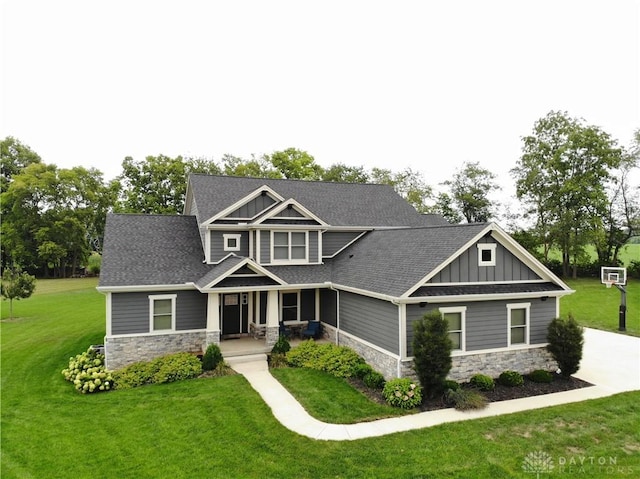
(518, 319)
(289, 246)
(455, 318)
(162, 312)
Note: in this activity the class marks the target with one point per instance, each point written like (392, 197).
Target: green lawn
(595, 306)
(220, 427)
(628, 253)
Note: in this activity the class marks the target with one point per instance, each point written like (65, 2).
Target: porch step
(248, 358)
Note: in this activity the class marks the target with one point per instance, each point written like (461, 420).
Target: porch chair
(313, 330)
(284, 331)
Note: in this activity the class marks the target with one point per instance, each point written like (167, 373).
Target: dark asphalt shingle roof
(338, 204)
(150, 250)
(393, 261)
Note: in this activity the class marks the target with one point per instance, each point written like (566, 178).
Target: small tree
(432, 352)
(16, 285)
(566, 339)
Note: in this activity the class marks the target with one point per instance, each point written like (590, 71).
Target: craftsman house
(250, 255)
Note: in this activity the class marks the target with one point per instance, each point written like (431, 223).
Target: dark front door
(234, 314)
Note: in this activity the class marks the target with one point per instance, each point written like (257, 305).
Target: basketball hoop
(609, 283)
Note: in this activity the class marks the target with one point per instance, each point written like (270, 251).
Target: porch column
(213, 319)
(272, 318)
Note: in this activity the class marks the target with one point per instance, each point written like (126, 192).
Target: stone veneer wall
(493, 363)
(272, 334)
(381, 362)
(122, 351)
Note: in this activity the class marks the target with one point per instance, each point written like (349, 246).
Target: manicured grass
(595, 306)
(220, 427)
(324, 397)
(628, 253)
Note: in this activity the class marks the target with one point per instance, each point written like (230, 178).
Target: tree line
(572, 181)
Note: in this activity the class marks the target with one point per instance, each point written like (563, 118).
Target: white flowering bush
(87, 372)
(402, 393)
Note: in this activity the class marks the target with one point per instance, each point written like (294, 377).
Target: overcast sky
(389, 84)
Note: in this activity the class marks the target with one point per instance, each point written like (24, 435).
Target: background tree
(561, 178)
(470, 190)
(17, 285)
(14, 157)
(342, 173)
(409, 184)
(255, 167)
(432, 352)
(444, 206)
(295, 164)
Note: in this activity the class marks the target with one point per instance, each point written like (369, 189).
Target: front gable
(248, 208)
(238, 273)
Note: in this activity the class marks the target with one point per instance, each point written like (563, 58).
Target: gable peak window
(487, 254)
(231, 242)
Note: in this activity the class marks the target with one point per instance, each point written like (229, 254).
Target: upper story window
(487, 254)
(289, 246)
(231, 242)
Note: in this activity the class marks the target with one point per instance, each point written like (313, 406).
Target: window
(289, 303)
(518, 317)
(487, 254)
(289, 246)
(455, 318)
(232, 242)
(162, 312)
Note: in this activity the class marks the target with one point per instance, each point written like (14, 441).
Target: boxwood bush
(374, 380)
(211, 358)
(511, 379)
(482, 382)
(540, 376)
(402, 393)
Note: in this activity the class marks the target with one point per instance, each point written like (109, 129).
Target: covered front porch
(247, 346)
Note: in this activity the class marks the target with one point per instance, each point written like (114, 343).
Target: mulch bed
(500, 393)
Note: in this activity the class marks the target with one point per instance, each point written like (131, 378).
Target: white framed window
(487, 254)
(162, 312)
(289, 306)
(518, 323)
(289, 246)
(232, 242)
(456, 317)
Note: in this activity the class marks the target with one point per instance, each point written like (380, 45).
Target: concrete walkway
(610, 361)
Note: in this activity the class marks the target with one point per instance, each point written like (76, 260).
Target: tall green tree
(158, 184)
(341, 173)
(14, 157)
(255, 167)
(432, 352)
(561, 178)
(409, 184)
(296, 164)
(470, 189)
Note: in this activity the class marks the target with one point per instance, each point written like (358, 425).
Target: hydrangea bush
(87, 372)
(402, 393)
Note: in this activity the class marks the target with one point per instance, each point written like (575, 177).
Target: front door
(235, 310)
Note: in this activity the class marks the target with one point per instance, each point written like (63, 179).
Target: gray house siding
(217, 244)
(253, 207)
(465, 268)
(130, 311)
(486, 322)
(370, 319)
(329, 306)
(333, 242)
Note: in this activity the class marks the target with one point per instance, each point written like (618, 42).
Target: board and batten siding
(253, 207)
(130, 311)
(217, 251)
(334, 241)
(370, 319)
(329, 306)
(486, 322)
(465, 268)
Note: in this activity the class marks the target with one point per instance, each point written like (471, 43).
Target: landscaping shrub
(165, 369)
(87, 372)
(432, 352)
(281, 346)
(374, 380)
(482, 382)
(541, 376)
(448, 384)
(277, 360)
(361, 370)
(465, 399)
(566, 339)
(339, 361)
(212, 357)
(511, 379)
(402, 393)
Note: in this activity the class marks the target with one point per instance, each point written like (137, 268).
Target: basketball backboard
(611, 275)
